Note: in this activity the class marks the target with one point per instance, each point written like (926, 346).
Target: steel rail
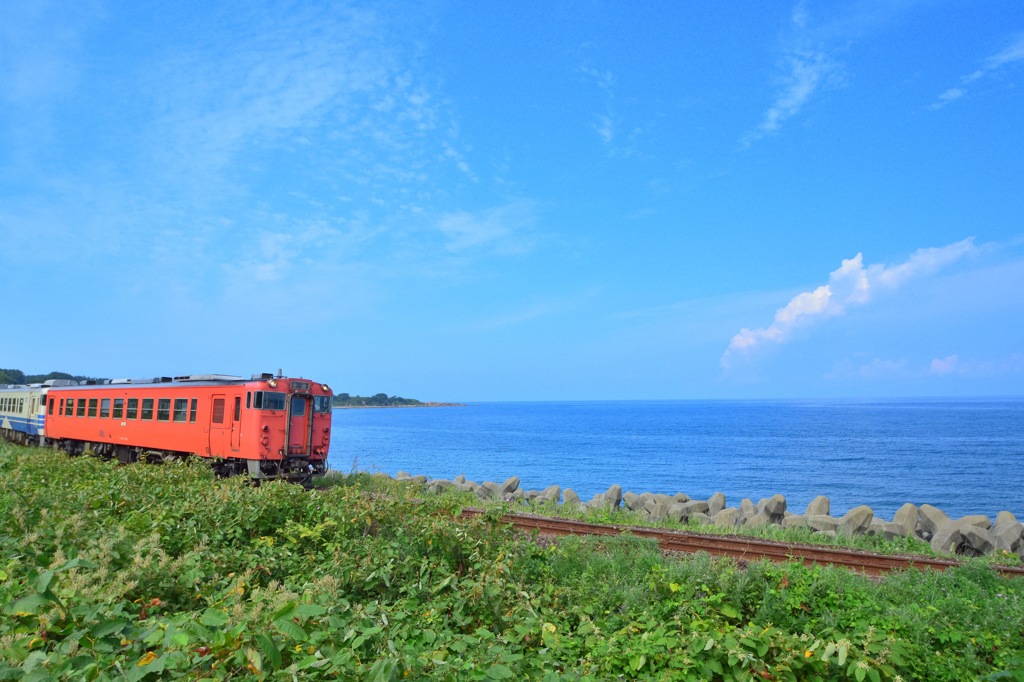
(738, 547)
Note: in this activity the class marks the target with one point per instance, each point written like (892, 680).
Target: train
(266, 427)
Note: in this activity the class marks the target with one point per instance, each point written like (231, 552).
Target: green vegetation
(16, 376)
(160, 572)
(379, 400)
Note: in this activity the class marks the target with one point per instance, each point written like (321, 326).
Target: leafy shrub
(153, 572)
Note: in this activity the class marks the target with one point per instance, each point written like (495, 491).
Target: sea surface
(963, 456)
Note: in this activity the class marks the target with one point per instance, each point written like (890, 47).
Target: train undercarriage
(21, 438)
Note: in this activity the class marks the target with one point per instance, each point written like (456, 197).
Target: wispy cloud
(505, 230)
(850, 285)
(955, 366)
(541, 308)
(806, 73)
(604, 123)
(1013, 52)
(808, 64)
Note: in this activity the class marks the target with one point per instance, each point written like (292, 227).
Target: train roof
(178, 381)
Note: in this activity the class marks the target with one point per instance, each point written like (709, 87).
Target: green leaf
(9, 673)
(107, 627)
(729, 612)
(270, 650)
(44, 581)
(500, 672)
(28, 604)
(285, 611)
(860, 673)
(214, 618)
(290, 629)
(309, 611)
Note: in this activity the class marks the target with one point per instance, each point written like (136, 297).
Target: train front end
(292, 421)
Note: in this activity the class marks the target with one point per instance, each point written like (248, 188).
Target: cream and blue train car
(23, 411)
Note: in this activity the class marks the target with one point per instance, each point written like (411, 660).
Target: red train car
(266, 427)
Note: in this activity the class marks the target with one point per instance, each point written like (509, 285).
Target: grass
(161, 572)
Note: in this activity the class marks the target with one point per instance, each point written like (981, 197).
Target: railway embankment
(974, 535)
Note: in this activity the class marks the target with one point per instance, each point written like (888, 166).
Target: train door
(220, 427)
(236, 424)
(298, 425)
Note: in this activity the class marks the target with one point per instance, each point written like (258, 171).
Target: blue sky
(516, 201)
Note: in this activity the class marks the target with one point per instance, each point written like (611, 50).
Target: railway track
(738, 547)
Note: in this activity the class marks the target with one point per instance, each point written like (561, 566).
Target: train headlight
(272, 383)
(325, 387)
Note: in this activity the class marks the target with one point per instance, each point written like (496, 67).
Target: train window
(180, 409)
(163, 410)
(80, 412)
(21, 405)
(105, 408)
(273, 401)
(192, 410)
(49, 408)
(298, 406)
(322, 404)
(147, 408)
(133, 408)
(248, 399)
(118, 408)
(218, 411)
(92, 406)
(238, 407)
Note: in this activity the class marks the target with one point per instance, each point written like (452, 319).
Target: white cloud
(808, 66)
(944, 366)
(606, 123)
(806, 72)
(503, 230)
(850, 285)
(1014, 52)
(969, 368)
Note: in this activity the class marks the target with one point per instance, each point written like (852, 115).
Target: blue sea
(963, 456)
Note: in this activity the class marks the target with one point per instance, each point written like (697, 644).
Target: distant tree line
(379, 400)
(16, 376)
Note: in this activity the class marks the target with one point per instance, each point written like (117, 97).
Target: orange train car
(267, 427)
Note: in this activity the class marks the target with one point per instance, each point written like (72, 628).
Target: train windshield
(268, 400)
(321, 404)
